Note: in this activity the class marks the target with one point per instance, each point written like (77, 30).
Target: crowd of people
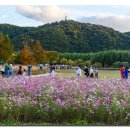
(7, 70)
(124, 72)
(92, 72)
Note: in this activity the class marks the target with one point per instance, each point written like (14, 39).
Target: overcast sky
(117, 17)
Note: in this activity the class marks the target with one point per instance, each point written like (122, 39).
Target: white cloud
(118, 22)
(46, 14)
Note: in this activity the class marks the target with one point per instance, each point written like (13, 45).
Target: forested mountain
(68, 36)
(14, 31)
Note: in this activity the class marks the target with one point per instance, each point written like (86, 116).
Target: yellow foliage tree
(26, 56)
(38, 52)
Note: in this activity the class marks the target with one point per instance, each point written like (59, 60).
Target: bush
(88, 62)
(64, 61)
(71, 62)
(80, 61)
(97, 64)
(118, 64)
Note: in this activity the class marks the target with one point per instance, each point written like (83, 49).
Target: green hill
(127, 33)
(68, 36)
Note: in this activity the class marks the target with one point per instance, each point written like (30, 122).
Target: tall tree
(26, 56)
(6, 48)
(38, 52)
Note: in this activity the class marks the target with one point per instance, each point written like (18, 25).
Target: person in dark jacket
(86, 71)
(6, 70)
(20, 71)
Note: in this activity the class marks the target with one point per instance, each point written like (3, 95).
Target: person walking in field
(96, 73)
(41, 66)
(122, 71)
(50, 68)
(24, 72)
(20, 72)
(10, 70)
(91, 72)
(6, 70)
(78, 71)
(86, 71)
(52, 73)
(3, 70)
(126, 73)
(29, 69)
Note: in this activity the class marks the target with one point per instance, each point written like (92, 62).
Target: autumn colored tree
(26, 56)
(6, 48)
(38, 52)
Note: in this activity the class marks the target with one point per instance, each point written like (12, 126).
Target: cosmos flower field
(60, 99)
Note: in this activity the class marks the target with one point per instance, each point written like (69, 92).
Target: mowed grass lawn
(103, 74)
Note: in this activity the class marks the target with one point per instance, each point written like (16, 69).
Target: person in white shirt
(78, 71)
(91, 72)
(3, 70)
(52, 73)
(24, 72)
(41, 66)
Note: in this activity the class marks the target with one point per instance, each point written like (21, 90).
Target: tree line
(111, 58)
(34, 54)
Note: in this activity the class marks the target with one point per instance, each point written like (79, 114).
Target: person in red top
(122, 71)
